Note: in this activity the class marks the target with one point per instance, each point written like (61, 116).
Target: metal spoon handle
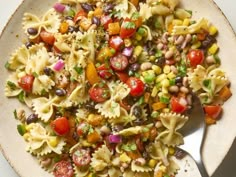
(201, 168)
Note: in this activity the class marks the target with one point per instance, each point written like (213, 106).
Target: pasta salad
(109, 84)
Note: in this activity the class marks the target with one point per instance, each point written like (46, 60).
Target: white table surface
(226, 169)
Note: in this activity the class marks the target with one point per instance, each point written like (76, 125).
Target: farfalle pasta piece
(145, 11)
(11, 86)
(111, 108)
(140, 168)
(42, 84)
(79, 95)
(38, 62)
(81, 172)
(49, 22)
(134, 130)
(159, 151)
(130, 173)
(210, 81)
(122, 6)
(172, 122)
(123, 119)
(196, 78)
(19, 59)
(40, 142)
(43, 107)
(194, 28)
(101, 158)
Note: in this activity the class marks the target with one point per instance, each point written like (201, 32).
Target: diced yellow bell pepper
(212, 30)
(213, 49)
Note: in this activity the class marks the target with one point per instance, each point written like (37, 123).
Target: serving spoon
(194, 133)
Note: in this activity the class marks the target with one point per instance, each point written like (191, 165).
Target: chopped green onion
(21, 129)
(11, 85)
(164, 100)
(79, 70)
(21, 97)
(15, 114)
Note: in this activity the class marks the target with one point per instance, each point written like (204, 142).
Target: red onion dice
(59, 65)
(128, 51)
(59, 7)
(115, 139)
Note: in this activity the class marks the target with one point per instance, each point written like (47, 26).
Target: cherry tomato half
(26, 82)
(136, 86)
(63, 168)
(61, 126)
(177, 106)
(99, 92)
(106, 20)
(128, 28)
(116, 42)
(81, 157)
(213, 110)
(47, 37)
(119, 62)
(82, 129)
(195, 57)
(80, 14)
(122, 76)
(104, 71)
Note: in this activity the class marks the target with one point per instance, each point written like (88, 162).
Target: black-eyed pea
(105, 130)
(184, 89)
(174, 89)
(179, 40)
(185, 81)
(145, 66)
(169, 54)
(160, 46)
(158, 124)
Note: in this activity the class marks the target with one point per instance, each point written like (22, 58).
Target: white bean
(185, 81)
(210, 59)
(173, 69)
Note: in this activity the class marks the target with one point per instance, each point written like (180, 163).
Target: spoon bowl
(194, 133)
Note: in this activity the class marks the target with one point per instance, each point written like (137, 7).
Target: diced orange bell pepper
(93, 137)
(113, 28)
(98, 12)
(209, 120)
(158, 106)
(91, 74)
(135, 2)
(104, 54)
(64, 27)
(225, 93)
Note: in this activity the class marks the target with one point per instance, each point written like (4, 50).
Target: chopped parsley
(21, 97)
(11, 85)
(7, 65)
(164, 100)
(128, 25)
(78, 69)
(129, 147)
(15, 114)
